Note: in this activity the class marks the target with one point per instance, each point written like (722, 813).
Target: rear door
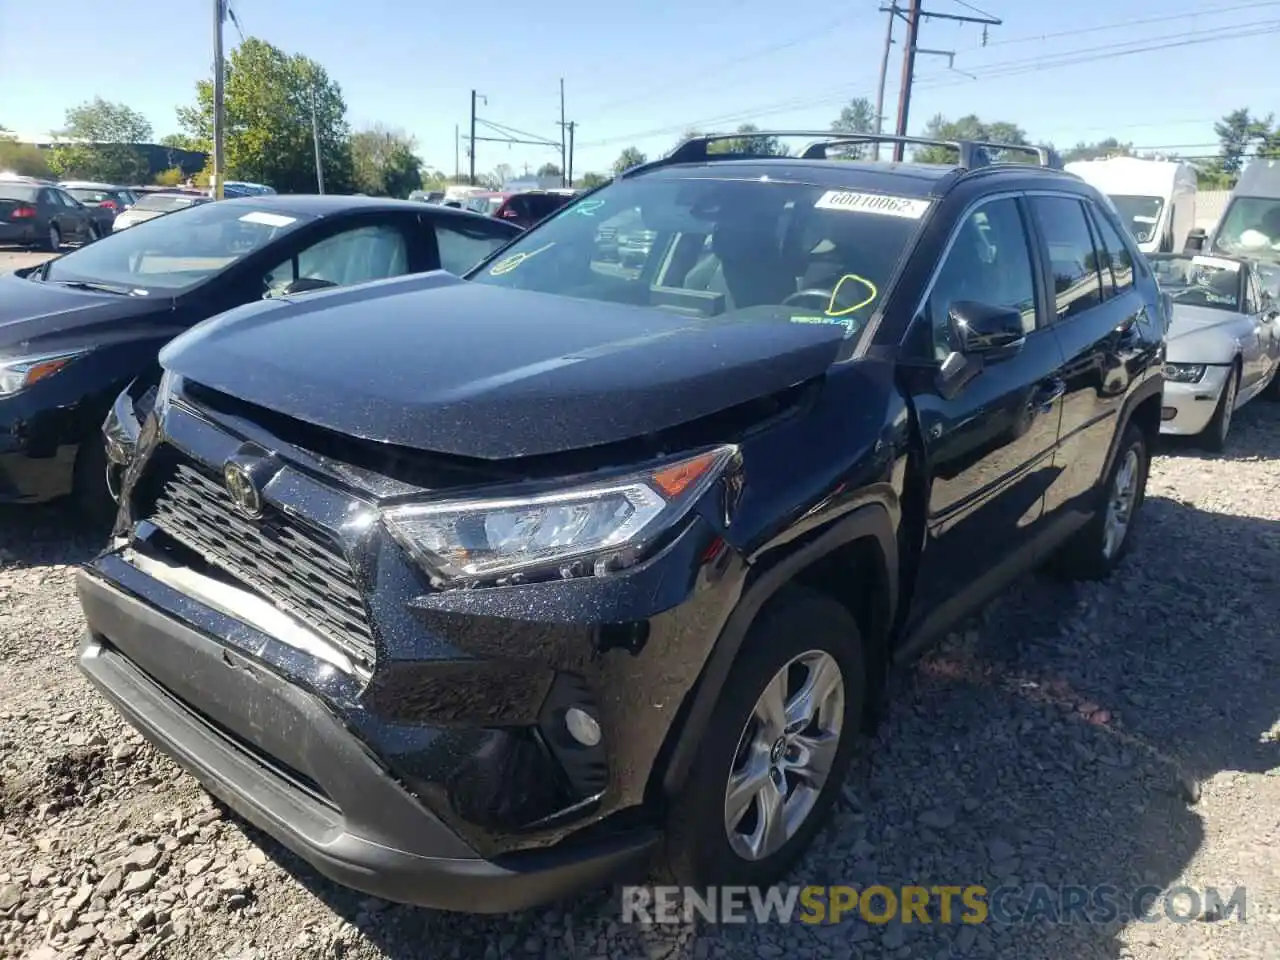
(989, 448)
(1099, 320)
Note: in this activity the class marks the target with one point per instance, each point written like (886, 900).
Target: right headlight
(588, 530)
(1184, 372)
(19, 373)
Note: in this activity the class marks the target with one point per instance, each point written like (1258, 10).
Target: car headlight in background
(589, 530)
(21, 372)
(1184, 372)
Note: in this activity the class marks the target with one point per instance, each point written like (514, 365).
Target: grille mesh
(302, 571)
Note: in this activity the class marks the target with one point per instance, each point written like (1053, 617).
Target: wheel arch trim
(869, 521)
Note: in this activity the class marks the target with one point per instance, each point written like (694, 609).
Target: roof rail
(972, 153)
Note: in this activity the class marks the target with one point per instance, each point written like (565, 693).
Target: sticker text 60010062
(880, 204)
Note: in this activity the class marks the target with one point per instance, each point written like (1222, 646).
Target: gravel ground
(1122, 733)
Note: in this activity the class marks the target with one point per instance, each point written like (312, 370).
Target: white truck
(1156, 199)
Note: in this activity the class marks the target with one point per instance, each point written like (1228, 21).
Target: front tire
(53, 243)
(1094, 552)
(1214, 436)
(776, 749)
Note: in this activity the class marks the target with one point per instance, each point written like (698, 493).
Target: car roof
(90, 185)
(330, 204)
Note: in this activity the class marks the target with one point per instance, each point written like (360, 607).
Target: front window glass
(749, 249)
(1199, 281)
(353, 256)
(176, 252)
(1140, 215)
(1251, 227)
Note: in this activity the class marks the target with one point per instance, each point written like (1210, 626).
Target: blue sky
(641, 73)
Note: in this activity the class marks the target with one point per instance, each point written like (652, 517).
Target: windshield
(158, 201)
(176, 252)
(1199, 281)
(793, 252)
(18, 191)
(1250, 227)
(1140, 215)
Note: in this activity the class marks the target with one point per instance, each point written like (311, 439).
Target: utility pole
(457, 153)
(569, 162)
(913, 15)
(219, 14)
(315, 138)
(472, 141)
(908, 73)
(884, 72)
(564, 153)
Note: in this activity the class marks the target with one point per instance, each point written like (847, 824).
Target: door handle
(1047, 394)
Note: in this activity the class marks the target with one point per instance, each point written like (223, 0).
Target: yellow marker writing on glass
(871, 295)
(508, 264)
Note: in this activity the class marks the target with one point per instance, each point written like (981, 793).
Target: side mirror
(985, 330)
(1196, 240)
(306, 285)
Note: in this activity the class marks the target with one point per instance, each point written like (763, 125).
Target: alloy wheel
(1120, 504)
(784, 755)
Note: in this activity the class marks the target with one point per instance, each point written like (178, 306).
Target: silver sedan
(1223, 343)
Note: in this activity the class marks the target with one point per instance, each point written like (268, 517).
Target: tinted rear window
(18, 191)
(164, 203)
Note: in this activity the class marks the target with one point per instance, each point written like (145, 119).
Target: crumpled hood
(445, 365)
(1203, 334)
(34, 314)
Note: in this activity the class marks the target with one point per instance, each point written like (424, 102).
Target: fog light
(582, 726)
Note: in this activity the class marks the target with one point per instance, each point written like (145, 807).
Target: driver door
(988, 447)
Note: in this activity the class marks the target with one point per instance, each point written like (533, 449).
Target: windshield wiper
(94, 285)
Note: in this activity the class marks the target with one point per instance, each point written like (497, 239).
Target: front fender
(871, 520)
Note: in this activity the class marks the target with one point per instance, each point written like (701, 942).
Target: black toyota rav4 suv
(476, 592)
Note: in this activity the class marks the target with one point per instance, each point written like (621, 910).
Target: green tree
(180, 141)
(1237, 132)
(589, 181)
(550, 170)
(268, 103)
(173, 177)
(971, 128)
(627, 159)
(857, 116)
(24, 159)
(104, 143)
(760, 146)
(1110, 147)
(503, 172)
(384, 163)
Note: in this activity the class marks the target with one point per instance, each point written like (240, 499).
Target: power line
(707, 69)
(843, 92)
(1080, 31)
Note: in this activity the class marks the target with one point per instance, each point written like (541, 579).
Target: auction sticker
(1215, 262)
(267, 219)
(882, 204)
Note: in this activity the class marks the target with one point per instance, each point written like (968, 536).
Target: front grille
(300, 570)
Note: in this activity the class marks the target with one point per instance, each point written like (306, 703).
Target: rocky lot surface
(1122, 733)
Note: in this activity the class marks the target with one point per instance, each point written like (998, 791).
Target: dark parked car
(110, 200)
(38, 215)
(77, 329)
(527, 208)
(477, 592)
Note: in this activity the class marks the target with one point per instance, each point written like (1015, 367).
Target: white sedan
(1223, 343)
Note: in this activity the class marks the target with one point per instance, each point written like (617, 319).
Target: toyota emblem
(244, 492)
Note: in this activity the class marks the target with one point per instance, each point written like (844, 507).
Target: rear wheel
(776, 750)
(1102, 543)
(53, 242)
(1214, 436)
